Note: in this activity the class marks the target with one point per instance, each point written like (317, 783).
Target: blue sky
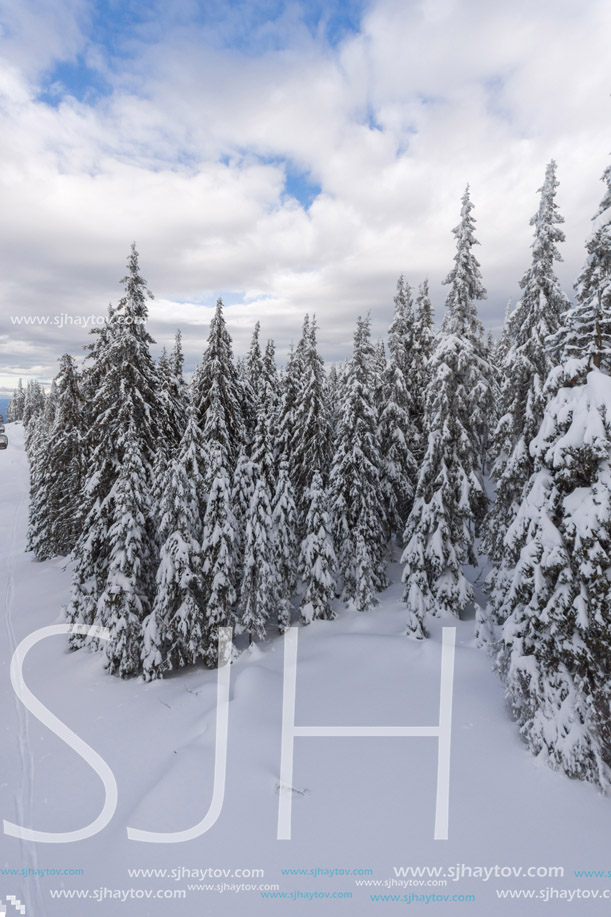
(115, 32)
(300, 155)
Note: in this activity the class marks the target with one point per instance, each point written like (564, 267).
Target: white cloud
(185, 156)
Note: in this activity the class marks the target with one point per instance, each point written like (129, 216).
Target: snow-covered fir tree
(359, 521)
(33, 405)
(317, 561)
(254, 362)
(241, 496)
(379, 371)
(17, 404)
(589, 326)
(216, 380)
(172, 396)
(450, 500)
(333, 398)
(290, 386)
(177, 364)
(258, 587)
(264, 448)
(284, 519)
(50, 405)
(41, 505)
(126, 599)
(124, 399)
(67, 452)
(419, 368)
(310, 446)
(398, 433)
(554, 651)
(217, 558)
(530, 353)
(219, 530)
(174, 634)
(250, 375)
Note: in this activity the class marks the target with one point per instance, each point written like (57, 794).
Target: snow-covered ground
(359, 803)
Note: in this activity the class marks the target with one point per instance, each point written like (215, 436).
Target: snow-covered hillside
(358, 803)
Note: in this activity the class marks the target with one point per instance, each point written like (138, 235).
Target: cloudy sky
(290, 157)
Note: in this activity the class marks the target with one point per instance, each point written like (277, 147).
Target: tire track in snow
(24, 798)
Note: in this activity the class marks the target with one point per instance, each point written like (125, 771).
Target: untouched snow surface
(359, 804)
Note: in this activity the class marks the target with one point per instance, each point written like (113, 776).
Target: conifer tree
(219, 531)
(258, 588)
(254, 363)
(124, 384)
(50, 405)
(589, 327)
(284, 520)
(172, 397)
(217, 560)
(310, 445)
(177, 363)
(317, 561)
(333, 398)
(554, 649)
(359, 522)
(174, 634)
(398, 433)
(125, 600)
(531, 330)
(34, 404)
(67, 456)
(17, 404)
(40, 508)
(216, 380)
(264, 449)
(250, 376)
(450, 499)
(418, 375)
(241, 496)
(290, 387)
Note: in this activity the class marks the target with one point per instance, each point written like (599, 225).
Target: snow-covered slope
(359, 804)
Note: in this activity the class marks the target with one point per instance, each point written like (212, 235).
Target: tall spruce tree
(219, 531)
(284, 520)
(174, 633)
(359, 520)
(16, 404)
(33, 405)
(450, 499)
(290, 387)
(398, 433)
(124, 416)
(317, 561)
(554, 650)
(532, 330)
(216, 381)
(241, 495)
(125, 601)
(310, 445)
(264, 448)
(172, 397)
(41, 510)
(67, 459)
(589, 326)
(418, 377)
(258, 587)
